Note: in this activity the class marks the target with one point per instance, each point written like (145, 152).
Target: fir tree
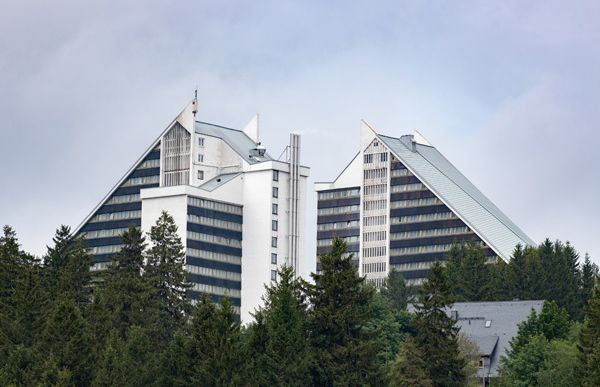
(164, 273)
(468, 273)
(395, 291)
(437, 336)
(67, 268)
(215, 344)
(589, 275)
(589, 340)
(341, 308)
(287, 354)
(409, 368)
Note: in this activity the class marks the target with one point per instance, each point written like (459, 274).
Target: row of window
(374, 157)
(400, 172)
(379, 173)
(377, 282)
(371, 205)
(372, 236)
(211, 289)
(124, 199)
(374, 220)
(213, 205)
(154, 163)
(416, 203)
(214, 239)
(376, 189)
(421, 249)
(214, 222)
(430, 233)
(339, 210)
(116, 216)
(141, 181)
(377, 251)
(98, 266)
(338, 225)
(413, 266)
(113, 232)
(339, 194)
(375, 267)
(105, 249)
(179, 177)
(423, 218)
(408, 187)
(214, 256)
(213, 272)
(329, 241)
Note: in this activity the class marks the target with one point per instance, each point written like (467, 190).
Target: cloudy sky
(509, 91)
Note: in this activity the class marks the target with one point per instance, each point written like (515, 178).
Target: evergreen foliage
(589, 342)
(468, 272)
(341, 308)
(395, 291)
(437, 336)
(409, 368)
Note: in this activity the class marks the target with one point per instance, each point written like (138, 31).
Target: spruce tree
(341, 307)
(437, 336)
(589, 275)
(589, 340)
(287, 353)
(215, 344)
(125, 292)
(468, 272)
(67, 268)
(165, 275)
(409, 368)
(395, 291)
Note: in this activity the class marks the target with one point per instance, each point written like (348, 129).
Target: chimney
(409, 141)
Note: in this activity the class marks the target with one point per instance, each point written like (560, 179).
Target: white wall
(170, 199)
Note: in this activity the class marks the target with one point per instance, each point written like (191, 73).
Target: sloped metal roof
(504, 318)
(460, 195)
(218, 181)
(236, 139)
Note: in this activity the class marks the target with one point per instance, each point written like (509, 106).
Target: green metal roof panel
(460, 195)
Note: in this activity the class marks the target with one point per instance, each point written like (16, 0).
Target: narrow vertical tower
(294, 195)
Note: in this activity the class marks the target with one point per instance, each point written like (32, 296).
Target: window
(383, 157)
(368, 159)
(275, 192)
(488, 323)
(200, 158)
(274, 225)
(200, 175)
(274, 209)
(201, 141)
(275, 175)
(274, 258)
(273, 275)
(273, 241)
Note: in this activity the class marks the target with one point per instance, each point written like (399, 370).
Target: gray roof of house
(504, 317)
(460, 195)
(218, 181)
(236, 139)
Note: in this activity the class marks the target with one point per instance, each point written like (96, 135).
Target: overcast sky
(509, 91)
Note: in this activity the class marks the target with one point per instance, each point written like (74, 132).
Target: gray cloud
(507, 90)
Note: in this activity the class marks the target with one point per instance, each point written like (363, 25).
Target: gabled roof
(236, 139)
(460, 195)
(504, 317)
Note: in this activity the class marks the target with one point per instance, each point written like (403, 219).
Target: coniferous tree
(409, 368)
(437, 336)
(341, 307)
(215, 344)
(395, 291)
(589, 275)
(468, 272)
(256, 368)
(589, 340)
(67, 268)
(165, 275)
(65, 344)
(287, 352)
(125, 291)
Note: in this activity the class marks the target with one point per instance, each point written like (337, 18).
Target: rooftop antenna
(195, 103)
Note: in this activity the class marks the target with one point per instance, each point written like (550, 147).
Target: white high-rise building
(400, 204)
(240, 212)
